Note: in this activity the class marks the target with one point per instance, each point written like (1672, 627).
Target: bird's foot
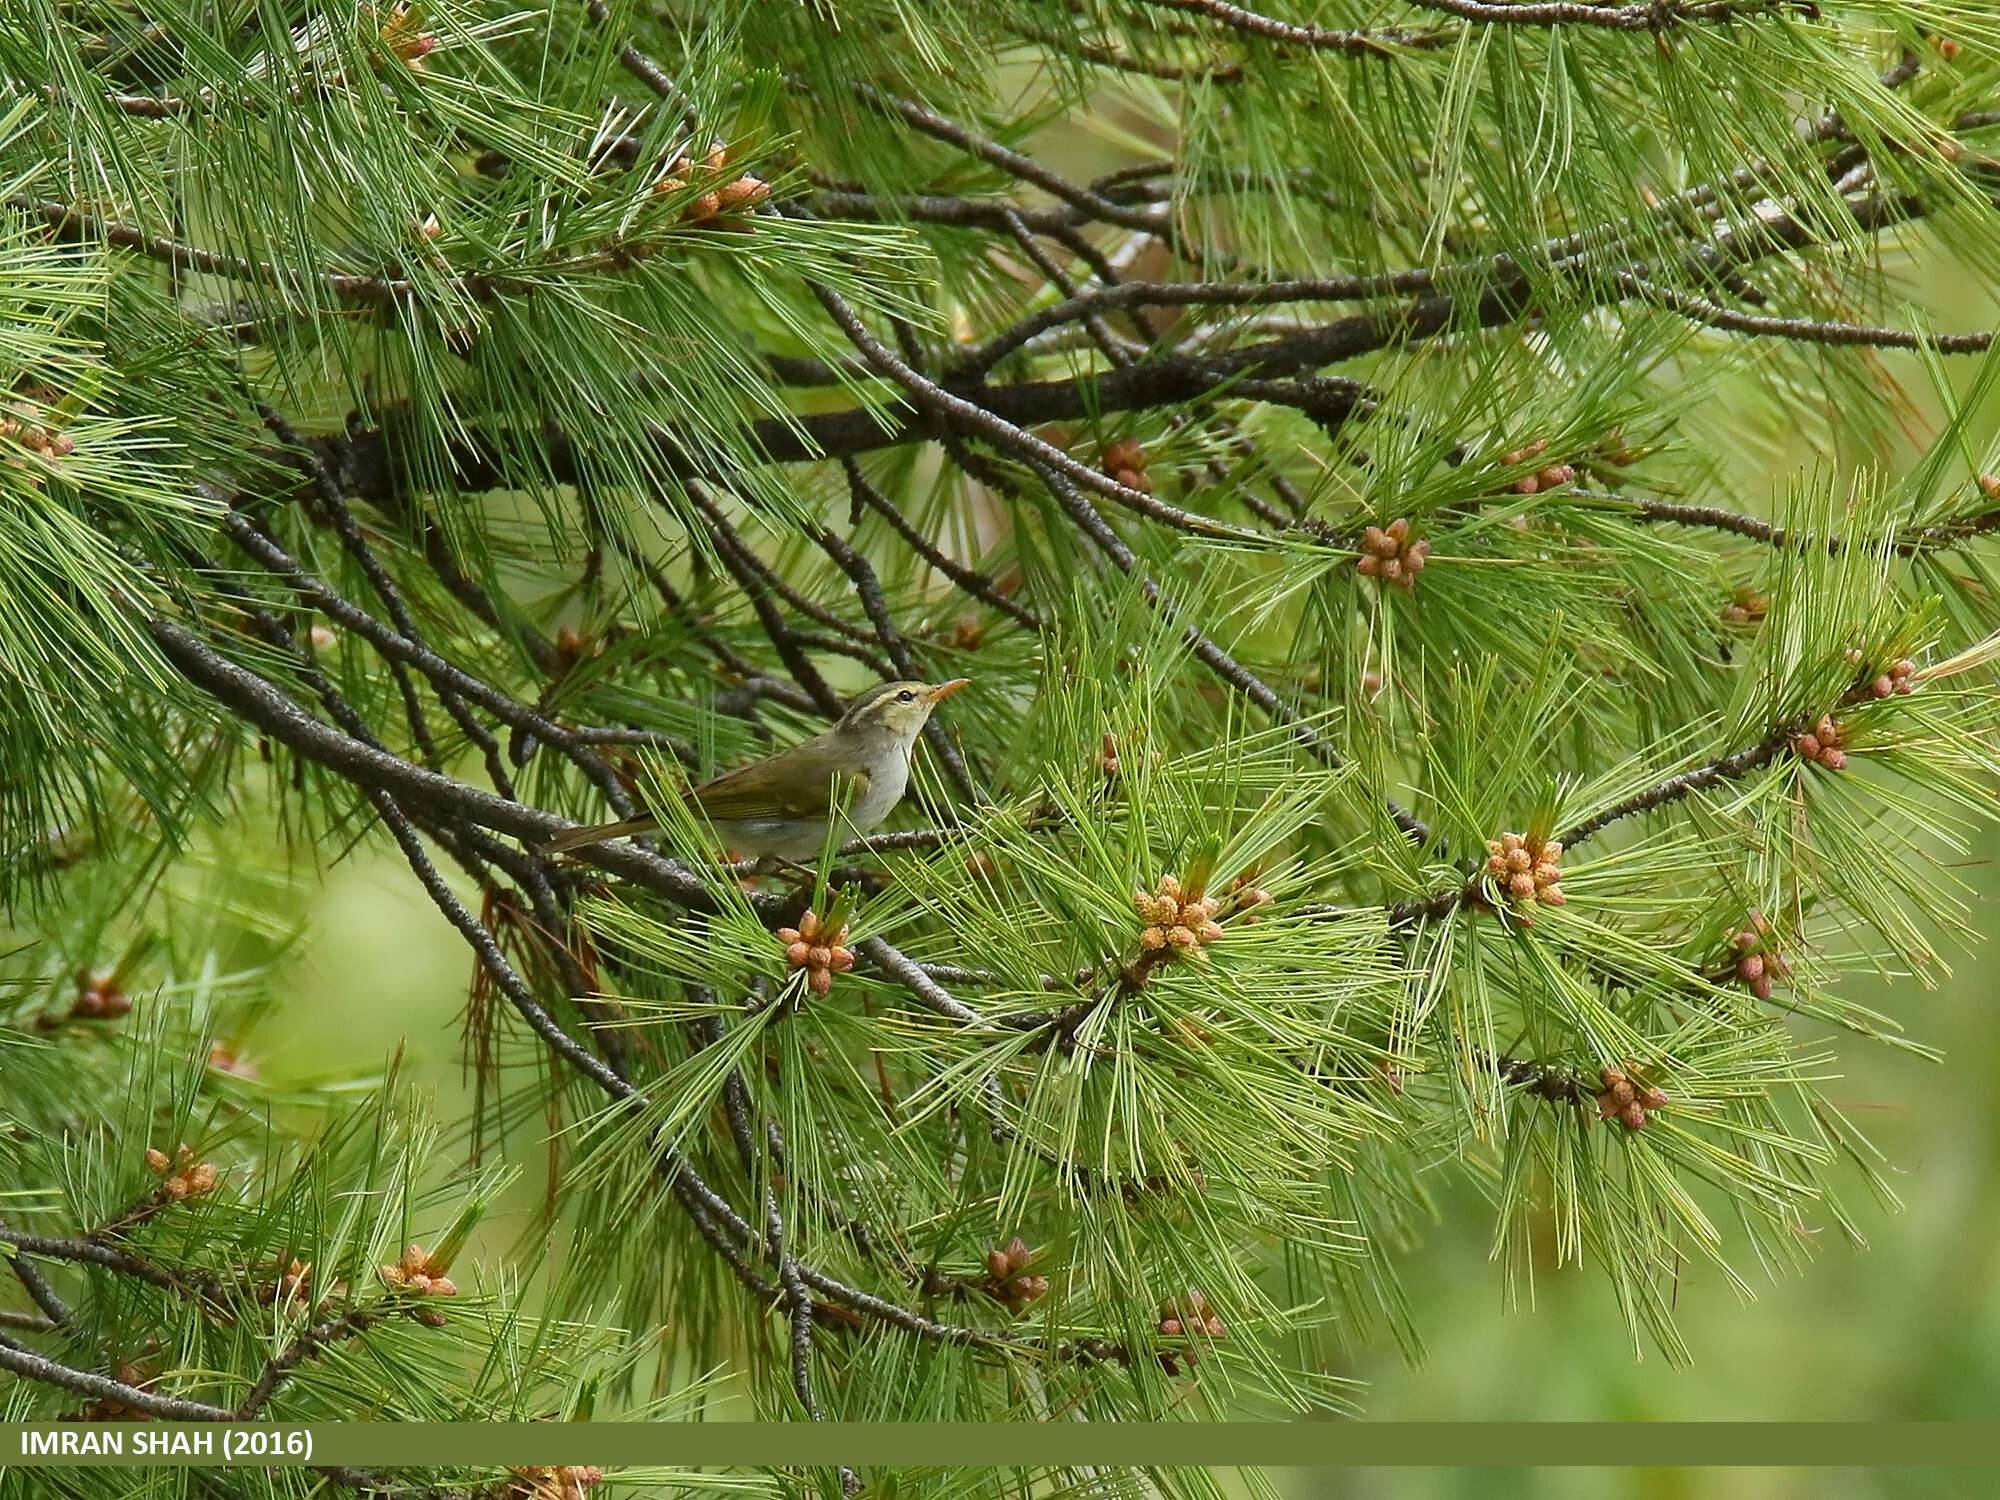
(788, 869)
(750, 871)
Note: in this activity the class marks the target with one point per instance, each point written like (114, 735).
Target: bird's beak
(945, 689)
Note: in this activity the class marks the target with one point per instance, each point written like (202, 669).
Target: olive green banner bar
(1008, 1445)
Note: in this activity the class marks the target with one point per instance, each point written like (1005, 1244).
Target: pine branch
(1730, 767)
(649, 72)
(1656, 16)
(19, 1360)
(1319, 38)
(719, 1223)
(1024, 168)
(1803, 330)
(1910, 541)
(969, 581)
(36, 1285)
(260, 703)
(981, 420)
(1069, 301)
(193, 1283)
(309, 1345)
(402, 646)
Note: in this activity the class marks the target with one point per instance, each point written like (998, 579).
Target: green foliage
(1347, 449)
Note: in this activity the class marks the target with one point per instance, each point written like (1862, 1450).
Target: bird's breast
(885, 790)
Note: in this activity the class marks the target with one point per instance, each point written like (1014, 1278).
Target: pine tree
(1425, 724)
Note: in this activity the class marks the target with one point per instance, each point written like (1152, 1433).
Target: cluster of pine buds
(1245, 896)
(1125, 461)
(99, 997)
(1901, 678)
(403, 34)
(110, 1408)
(553, 1481)
(1749, 608)
(419, 1275)
(184, 1176)
(1758, 961)
(574, 646)
(1526, 869)
(721, 200)
(1545, 478)
(293, 1283)
(20, 426)
(1006, 1277)
(1388, 553)
(1177, 921)
(1822, 744)
(1626, 1098)
(1187, 1317)
(1107, 757)
(815, 946)
(1614, 450)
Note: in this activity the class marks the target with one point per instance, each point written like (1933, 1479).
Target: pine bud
(814, 947)
(1391, 555)
(744, 192)
(1626, 1098)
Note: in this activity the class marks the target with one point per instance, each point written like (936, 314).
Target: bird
(779, 807)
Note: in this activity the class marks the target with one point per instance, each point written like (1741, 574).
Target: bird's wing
(810, 789)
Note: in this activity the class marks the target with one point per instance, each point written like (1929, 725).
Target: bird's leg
(789, 869)
(766, 865)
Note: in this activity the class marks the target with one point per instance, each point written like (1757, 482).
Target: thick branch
(29, 1365)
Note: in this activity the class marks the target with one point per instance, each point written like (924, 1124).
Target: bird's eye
(906, 696)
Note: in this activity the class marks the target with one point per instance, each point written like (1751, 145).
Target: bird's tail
(578, 838)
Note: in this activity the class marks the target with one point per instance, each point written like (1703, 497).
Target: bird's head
(895, 712)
